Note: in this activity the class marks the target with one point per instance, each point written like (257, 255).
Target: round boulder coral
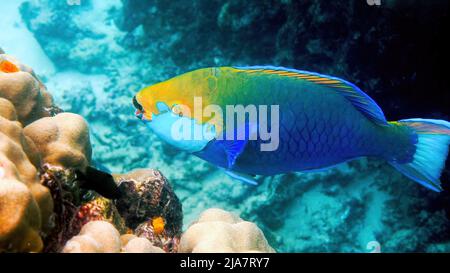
(20, 224)
(7, 109)
(20, 85)
(63, 140)
(217, 230)
(25, 205)
(141, 245)
(95, 237)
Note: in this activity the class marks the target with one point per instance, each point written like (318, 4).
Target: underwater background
(94, 55)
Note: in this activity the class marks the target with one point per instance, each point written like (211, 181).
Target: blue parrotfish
(323, 121)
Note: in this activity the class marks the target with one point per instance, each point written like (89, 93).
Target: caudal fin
(433, 139)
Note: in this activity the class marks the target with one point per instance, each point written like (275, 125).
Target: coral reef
(141, 245)
(38, 161)
(150, 206)
(33, 144)
(220, 231)
(147, 203)
(156, 198)
(63, 140)
(101, 208)
(66, 195)
(103, 237)
(26, 205)
(95, 236)
(47, 182)
(20, 85)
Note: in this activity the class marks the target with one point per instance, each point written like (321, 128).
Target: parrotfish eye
(137, 105)
(177, 110)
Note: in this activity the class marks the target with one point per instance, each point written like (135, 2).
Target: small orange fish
(8, 67)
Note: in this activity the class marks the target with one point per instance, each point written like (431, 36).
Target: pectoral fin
(233, 148)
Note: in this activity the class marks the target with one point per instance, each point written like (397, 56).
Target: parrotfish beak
(140, 113)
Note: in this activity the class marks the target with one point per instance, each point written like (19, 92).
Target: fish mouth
(140, 112)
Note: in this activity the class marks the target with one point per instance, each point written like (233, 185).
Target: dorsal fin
(351, 92)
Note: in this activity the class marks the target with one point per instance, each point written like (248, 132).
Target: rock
(148, 201)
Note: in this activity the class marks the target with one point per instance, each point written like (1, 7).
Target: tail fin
(433, 139)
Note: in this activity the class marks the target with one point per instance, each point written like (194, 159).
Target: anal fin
(244, 178)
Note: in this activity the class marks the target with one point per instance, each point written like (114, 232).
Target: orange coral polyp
(8, 67)
(158, 225)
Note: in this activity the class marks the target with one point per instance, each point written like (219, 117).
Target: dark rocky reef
(147, 197)
(392, 51)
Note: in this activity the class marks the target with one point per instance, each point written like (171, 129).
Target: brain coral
(217, 230)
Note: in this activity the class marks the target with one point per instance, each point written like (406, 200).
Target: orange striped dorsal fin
(351, 92)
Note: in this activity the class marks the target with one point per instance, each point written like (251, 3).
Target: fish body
(322, 121)
(318, 127)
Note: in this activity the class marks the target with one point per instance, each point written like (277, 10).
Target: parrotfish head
(168, 110)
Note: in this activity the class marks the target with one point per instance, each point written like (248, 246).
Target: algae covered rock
(150, 207)
(147, 194)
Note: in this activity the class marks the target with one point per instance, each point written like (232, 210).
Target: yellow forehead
(180, 90)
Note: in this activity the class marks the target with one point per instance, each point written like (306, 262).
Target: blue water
(95, 56)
